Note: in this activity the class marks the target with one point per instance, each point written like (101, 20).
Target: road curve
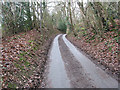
(69, 68)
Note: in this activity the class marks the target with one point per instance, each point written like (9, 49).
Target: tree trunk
(41, 15)
(70, 15)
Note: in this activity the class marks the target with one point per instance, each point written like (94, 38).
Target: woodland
(28, 29)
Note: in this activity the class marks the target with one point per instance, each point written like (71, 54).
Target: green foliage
(17, 20)
(77, 28)
(106, 43)
(23, 54)
(22, 59)
(11, 85)
(84, 33)
(82, 28)
(35, 48)
(116, 39)
(62, 26)
(99, 17)
(26, 63)
(14, 38)
(30, 41)
(110, 48)
(19, 66)
(92, 38)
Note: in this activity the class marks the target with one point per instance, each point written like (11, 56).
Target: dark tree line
(23, 16)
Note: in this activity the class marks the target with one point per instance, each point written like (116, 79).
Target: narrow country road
(69, 68)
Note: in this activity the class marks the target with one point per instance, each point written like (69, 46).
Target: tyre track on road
(98, 77)
(74, 69)
(57, 77)
(69, 68)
